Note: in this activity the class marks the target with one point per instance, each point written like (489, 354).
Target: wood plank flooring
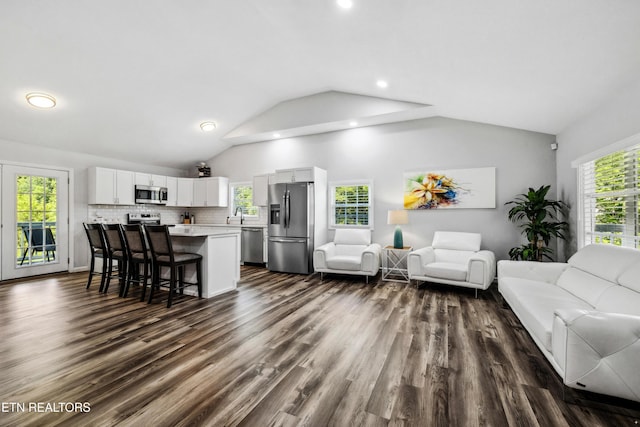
(284, 350)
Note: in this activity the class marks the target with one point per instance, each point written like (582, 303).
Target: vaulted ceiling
(134, 79)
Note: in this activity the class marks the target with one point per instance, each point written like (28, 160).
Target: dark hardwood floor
(283, 350)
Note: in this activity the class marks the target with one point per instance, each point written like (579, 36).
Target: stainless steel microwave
(152, 195)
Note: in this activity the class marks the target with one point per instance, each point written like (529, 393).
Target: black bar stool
(163, 256)
(97, 246)
(116, 250)
(138, 255)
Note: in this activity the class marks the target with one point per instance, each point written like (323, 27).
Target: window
(351, 204)
(242, 197)
(610, 190)
(37, 213)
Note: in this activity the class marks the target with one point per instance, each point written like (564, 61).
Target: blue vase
(397, 239)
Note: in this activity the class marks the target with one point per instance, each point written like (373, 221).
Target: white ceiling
(134, 78)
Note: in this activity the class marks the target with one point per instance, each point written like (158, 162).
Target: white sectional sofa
(584, 315)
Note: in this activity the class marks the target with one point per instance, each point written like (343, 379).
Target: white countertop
(196, 230)
(232, 225)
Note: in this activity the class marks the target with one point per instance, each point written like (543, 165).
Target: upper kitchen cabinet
(260, 190)
(172, 191)
(151, 180)
(185, 192)
(200, 192)
(111, 186)
(211, 192)
(298, 175)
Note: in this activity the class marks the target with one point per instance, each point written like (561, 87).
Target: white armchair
(351, 252)
(454, 258)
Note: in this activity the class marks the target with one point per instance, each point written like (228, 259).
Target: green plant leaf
(539, 223)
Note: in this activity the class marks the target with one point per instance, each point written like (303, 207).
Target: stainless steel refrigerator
(291, 227)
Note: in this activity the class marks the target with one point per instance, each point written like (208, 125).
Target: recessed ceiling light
(207, 126)
(276, 135)
(345, 4)
(41, 100)
(353, 124)
(382, 84)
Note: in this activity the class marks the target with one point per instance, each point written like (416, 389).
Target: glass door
(35, 221)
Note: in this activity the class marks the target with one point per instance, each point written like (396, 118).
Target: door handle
(288, 208)
(276, 240)
(284, 208)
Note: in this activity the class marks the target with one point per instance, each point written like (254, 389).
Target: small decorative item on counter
(193, 219)
(204, 171)
(228, 220)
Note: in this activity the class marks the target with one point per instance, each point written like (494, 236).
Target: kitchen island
(220, 250)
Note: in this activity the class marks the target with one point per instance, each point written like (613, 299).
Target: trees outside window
(610, 198)
(351, 205)
(242, 196)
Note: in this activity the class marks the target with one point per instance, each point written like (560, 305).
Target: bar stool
(97, 247)
(163, 256)
(138, 255)
(116, 250)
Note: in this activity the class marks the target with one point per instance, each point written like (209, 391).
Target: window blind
(610, 189)
(351, 205)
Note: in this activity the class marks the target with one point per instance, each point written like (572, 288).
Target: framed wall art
(450, 189)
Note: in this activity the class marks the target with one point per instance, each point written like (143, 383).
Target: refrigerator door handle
(277, 240)
(287, 209)
(284, 209)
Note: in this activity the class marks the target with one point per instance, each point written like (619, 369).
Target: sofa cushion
(584, 285)
(344, 262)
(630, 278)
(456, 240)
(619, 299)
(446, 270)
(605, 261)
(535, 302)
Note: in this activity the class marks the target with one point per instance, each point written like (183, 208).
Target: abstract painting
(450, 189)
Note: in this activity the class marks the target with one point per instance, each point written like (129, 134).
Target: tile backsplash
(169, 215)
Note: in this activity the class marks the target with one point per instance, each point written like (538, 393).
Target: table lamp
(397, 218)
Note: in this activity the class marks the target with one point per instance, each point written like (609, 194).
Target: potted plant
(540, 216)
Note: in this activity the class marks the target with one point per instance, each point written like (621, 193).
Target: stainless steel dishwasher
(252, 245)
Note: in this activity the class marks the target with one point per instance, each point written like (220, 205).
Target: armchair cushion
(352, 236)
(457, 241)
(446, 270)
(345, 262)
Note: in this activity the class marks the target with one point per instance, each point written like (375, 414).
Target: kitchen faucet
(241, 214)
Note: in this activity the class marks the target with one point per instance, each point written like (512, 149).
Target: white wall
(612, 121)
(78, 162)
(383, 153)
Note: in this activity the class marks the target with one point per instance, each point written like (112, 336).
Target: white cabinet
(260, 190)
(211, 192)
(151, 179)
(111, 186)
(125, 188)
(218, 192)
(172, 191)
(200, 192)
(297, 175)
(185, 192)
(117, 187)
